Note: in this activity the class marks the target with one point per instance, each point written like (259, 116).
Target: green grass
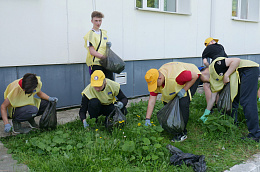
(133, 148)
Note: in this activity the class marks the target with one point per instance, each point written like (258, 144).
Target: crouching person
(173, 79)
(21, 104)
(99, 97)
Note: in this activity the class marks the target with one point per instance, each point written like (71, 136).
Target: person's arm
(93, 52)
(150, 107)
(42, 95)
(232, 64)
(122, 98)
(83, 108)
(212, 100)
(4, 106)
(194, 77)
(205, 62)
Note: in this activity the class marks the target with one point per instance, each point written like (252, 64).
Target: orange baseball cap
(97, 78)
(151, 77)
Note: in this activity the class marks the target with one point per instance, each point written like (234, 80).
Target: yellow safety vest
(94, 38)
(18, 98)
(107, 96)
(216, 81)
(171, 71)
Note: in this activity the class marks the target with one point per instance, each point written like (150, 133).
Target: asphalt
(8, 164)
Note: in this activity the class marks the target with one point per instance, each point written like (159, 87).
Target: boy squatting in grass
(243, 78)
(174, 78)
(21, 103)
(99, 97)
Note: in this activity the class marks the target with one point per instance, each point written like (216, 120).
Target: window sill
(244, 20)
(157, 10)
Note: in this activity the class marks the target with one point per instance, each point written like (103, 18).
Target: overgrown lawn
(134, 147)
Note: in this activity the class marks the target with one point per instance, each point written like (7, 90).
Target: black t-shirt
(214, 51)
(220, 67)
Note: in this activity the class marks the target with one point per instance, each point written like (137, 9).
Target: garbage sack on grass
(115, 118)
(224, 103)
(170, 117)
(49, 117)
(178, 158)
(112, 62)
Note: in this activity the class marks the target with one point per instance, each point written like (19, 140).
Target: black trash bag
(112, 62)
(115, 119)
(170, 117)
(178, 158)
(49, 117)
(224, 103)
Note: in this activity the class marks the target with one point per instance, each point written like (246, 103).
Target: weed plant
(134, 147)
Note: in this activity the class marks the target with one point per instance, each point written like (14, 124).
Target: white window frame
(252, 11)
(182, 7)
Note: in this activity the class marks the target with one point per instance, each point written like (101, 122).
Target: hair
(97, 14)
(29, 83)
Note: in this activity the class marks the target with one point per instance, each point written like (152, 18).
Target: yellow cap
(151, 77)
(97, 78)
(208, 40)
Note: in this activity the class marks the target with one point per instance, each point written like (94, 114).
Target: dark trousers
(185, 104)
(247, 96)
(107, 73)
(95, 109)
(28, 112)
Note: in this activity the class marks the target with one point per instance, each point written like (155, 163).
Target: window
(247, 10)
(172, 6)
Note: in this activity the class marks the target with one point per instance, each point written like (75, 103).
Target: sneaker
(17, 129)
(179, 138)
(32, 123)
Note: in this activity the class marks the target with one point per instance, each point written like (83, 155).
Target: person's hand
(53, 99)
(109, 44)
(226, 79)
(204, 117)
(8, 128)
(103, 57)
(147, 122)
(119, 104)
(85, 124)
(181, 93)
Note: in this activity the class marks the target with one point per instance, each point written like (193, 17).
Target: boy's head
(96, 14)
(29, 83)
(96, 19)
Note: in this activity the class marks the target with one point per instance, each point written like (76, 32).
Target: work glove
(109, 44)
(259, 99)
(203, 117)
(181, 93)
(85, 124)
(8, 128)
(53, 99)
(147, 122)
(119, 104)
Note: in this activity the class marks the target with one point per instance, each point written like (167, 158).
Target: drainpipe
(94, 5)
(212, 19)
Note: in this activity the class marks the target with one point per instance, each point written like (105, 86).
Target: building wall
(46, 37)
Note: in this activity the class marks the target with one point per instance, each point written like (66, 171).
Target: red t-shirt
(20, 83)
(181, 79)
